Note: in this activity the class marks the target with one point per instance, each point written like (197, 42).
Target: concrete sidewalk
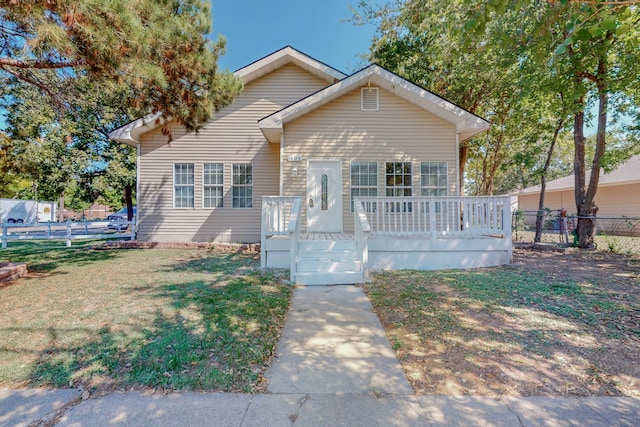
(334, 367)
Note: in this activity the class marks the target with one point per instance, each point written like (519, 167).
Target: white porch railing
(281, 216)
(362, 230)
(438, 216)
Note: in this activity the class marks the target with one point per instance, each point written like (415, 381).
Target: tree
(157, 48)
(415, 39)
(100, 65)
(585, 50)
(44, 150)
(596, 45)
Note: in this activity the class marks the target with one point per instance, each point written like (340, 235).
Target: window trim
(220, 185)
(234, 186)
(408, 186)
(192, 185)
(437, 187)
(363, 187)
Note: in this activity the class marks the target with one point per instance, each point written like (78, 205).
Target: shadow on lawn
(44, 258)
(221, 263)
(213, 334)
(502, 332)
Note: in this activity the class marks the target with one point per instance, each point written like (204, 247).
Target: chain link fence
(613, 234)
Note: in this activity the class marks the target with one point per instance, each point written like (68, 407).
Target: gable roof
(284, 56)
(626, 173)
(467, 124)
(131, 132)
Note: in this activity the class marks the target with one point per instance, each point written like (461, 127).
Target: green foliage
(158, 49)
(529, 67)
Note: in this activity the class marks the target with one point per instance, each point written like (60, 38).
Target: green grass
(187, 319)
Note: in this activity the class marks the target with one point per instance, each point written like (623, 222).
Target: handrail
(438, 216)
(276, 215)
(294, 238)
(362, 230)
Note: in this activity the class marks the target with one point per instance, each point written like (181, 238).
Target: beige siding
(612, 201)
(231, 137)
(399, 131)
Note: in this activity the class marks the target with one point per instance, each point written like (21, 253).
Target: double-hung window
(242, 185)
(398, 184)
(433, 179)
(398, 179)
(434, 182)
(183, 185)
(364, 180)
(212, 185)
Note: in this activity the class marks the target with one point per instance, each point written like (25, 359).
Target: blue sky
(256, 28)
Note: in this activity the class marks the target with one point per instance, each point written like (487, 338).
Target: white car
(116, 219)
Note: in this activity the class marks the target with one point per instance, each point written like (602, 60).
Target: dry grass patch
(518, 330)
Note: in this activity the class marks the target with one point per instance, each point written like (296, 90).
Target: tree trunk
(464, 154)
(585, 197)
(128, 201)
(61, 210)
(543, 182)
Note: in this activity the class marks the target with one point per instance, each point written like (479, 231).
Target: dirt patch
(552, 323)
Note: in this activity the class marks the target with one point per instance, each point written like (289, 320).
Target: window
(433, 182)
(183, 185)
(212, 185)
(242, 190)
(433, 179)
(364, 180)
(369, 100)
(398, 179)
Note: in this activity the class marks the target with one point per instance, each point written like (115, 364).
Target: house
(613, 198)
(333, 174)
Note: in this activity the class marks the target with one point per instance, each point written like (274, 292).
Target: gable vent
(370, 99)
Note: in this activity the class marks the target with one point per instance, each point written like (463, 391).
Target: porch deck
(390, 234)
(347, 236)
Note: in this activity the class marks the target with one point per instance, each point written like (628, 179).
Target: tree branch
(8, 62)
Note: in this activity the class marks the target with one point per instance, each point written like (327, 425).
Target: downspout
(135, 227)
(458, 165)
(281, 164)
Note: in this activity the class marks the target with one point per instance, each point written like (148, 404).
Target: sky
(318, 28)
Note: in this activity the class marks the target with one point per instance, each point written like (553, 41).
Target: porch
(424, 233)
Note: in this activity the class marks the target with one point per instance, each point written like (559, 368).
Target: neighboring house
(616, 196)
(295, 149)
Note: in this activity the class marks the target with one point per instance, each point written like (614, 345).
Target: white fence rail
(67, 231)
(280, 217)
(438, 216)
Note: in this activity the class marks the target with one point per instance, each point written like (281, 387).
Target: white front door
(324, 196)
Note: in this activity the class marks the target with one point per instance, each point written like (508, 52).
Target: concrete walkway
(334, 367)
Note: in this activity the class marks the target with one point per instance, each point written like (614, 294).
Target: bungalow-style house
(615, 197)
(333, 174)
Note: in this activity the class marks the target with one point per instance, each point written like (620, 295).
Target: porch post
(263, 235)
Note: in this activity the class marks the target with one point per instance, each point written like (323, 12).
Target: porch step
(343, 278)
(326, 245)
(328, 262)
(328, 266)
(328, 255)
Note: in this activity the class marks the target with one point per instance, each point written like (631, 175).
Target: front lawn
(550, 324)
(187, 319)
